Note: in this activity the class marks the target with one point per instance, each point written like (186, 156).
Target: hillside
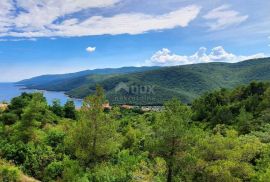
(65, 82)
(184, 82)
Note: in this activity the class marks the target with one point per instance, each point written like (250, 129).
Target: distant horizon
(52, 74)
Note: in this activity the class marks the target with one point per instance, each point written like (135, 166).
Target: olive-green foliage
(222, 136)
(72, 171)
(224, 106)
(128, 167)
(37, 158)
(57, 109)
(227, 158)
(35, 115)
(67, 111)
(55, 137)
(9, 173)
(169, 133)
(94, 135)
(9, 118)
(54, 170)
(70, 110)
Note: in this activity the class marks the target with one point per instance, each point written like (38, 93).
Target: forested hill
(185, 82)
(64, 82)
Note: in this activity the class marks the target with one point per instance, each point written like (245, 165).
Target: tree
(53, 171)
(57, 109)
(244, 121)
(263, 165)
(227, 158)
(169, 133)
(266, 99)
(9, 118)
(94, 136)
(9, 172)
(70, 110)
(17, 104)
(35, 115)
(38, 157)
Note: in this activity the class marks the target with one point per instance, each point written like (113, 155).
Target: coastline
(11, 90)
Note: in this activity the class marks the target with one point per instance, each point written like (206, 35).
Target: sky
(59, 36)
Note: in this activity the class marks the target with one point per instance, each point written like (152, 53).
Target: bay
(11, 90)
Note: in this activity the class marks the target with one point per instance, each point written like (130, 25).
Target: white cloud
(51, 18)
(165, 57)
(35, 16)
(91, 49)
(42, 13)
(223, 17)
(6, 7)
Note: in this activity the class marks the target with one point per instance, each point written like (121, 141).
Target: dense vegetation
(222, 136)
(183, 82)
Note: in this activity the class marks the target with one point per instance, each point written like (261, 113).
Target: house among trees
(107, 106)
(125, 106)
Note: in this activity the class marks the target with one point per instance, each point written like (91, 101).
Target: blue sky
(58, 36)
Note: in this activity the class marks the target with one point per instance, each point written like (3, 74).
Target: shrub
(9, 173)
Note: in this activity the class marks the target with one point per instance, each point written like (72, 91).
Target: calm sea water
(10, 90)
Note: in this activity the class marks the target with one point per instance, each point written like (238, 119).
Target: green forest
(222, 136)
(185, 82)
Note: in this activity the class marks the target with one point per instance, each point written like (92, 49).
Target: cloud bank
(51, 18)
(165, 57)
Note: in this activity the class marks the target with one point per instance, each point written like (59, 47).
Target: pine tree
(169, 133)
(70, 110)
(57, 109)
(95, 135)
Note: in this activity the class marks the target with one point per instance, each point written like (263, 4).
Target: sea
(11, 90)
